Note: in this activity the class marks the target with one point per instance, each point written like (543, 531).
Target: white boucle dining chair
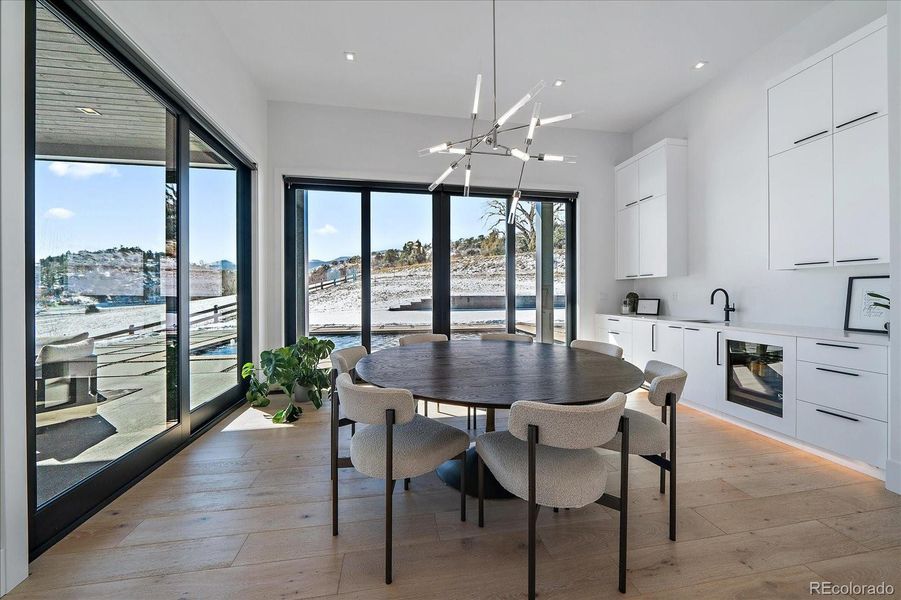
(549, 457)
(396, 444)
(651, 439)
(599, 347)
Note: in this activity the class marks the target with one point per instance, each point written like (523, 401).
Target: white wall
(893, 467)
(13, 468)
(725, 124)
(328, 142)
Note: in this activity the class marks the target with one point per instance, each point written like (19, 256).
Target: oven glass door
(755, 376)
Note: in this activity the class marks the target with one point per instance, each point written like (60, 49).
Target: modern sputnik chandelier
(469, 147)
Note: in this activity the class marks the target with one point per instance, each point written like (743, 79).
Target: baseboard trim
(856, 465)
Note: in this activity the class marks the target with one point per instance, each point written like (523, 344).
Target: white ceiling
(623, 62)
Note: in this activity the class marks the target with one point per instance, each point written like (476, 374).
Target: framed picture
(648, 306)
(867, 306)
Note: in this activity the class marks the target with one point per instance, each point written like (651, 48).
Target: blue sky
(88, 206)
(334, 221)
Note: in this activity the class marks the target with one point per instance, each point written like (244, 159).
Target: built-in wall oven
(760, 379)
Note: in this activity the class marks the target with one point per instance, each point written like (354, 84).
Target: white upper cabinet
(627, 236)
(860, 83)
(652, 175)
(801, 207)
(651, 216)
(626, 181)
(652, 251)
(862, 193)
(800, 108)
(828, 157)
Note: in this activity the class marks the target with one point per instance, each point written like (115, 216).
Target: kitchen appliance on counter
(760, 379)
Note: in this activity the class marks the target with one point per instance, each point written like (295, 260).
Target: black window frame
(57, 517)
(294, 288)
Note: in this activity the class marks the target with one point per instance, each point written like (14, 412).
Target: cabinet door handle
(810, 137)
(631, 275)
(674, 327)
(612, 319)
(875, 112)
(653, 342)
(815, 262)
(846, 260)
(718, 348)
(633, 203)
(652, 195)
(838, 346)
(826, 412)
(646, 275)
(613, 332)
(691, 329)
(839, 372)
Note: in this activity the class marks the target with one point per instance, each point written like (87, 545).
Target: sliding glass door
(138, 236)
(368, 263)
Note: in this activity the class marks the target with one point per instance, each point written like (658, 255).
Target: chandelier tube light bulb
(522, 102)
(475, 101)
(511, 218)
(456, 151)
(523, 156)
(555, 119)
(442, 177)
(439, 148)
(551, 157)
(466, 180)
(533, 123)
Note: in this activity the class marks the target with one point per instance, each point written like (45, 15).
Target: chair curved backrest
(599, 347)
(368, 404)
(346, 359)
(572, 427)
(421, 338)
(507, 337)
(663, 379)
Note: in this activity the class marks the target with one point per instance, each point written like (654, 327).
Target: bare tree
(524, 222)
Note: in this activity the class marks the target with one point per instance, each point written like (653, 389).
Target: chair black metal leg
(463, 486)
(672, 467)
(623, 503)
(663, 455)
(389, 488)
(407, 484)
(425, 407)
(533, 508)
(481, 490)
(334, 453)
(556, 510)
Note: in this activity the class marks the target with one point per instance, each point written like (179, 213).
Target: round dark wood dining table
(493, 375)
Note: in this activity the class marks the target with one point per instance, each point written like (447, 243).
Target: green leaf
(287, 415)
(247, 370)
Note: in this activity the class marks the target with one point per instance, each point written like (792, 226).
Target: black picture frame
(848, 298)
(655, 304)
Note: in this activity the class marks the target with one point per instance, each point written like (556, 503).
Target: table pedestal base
(449, 473)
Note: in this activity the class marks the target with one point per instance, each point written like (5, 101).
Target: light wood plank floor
(244, 513)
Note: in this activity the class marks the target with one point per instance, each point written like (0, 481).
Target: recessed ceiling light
(351, 56)
(559, 82)
(88, 110)
(700, 65)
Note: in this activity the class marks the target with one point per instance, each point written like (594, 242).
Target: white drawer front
(865, 357)
(850, 390)
(845, 434)
(617, 338)
(622, 325)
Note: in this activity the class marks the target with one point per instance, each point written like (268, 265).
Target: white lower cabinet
(827, 393)
(843, 433)
(703, 363)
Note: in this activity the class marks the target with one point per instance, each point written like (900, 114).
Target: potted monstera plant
(295, 370)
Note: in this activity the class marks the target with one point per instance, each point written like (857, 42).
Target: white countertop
(821, 333)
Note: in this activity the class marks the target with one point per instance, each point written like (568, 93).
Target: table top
(495, 374)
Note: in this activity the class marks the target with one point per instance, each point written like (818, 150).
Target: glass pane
(401, 266)
(105, 262)
(333, 266)
(478, 266)
(214, 273)
(541, 266)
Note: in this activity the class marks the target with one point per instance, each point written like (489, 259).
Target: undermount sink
(711, 321)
